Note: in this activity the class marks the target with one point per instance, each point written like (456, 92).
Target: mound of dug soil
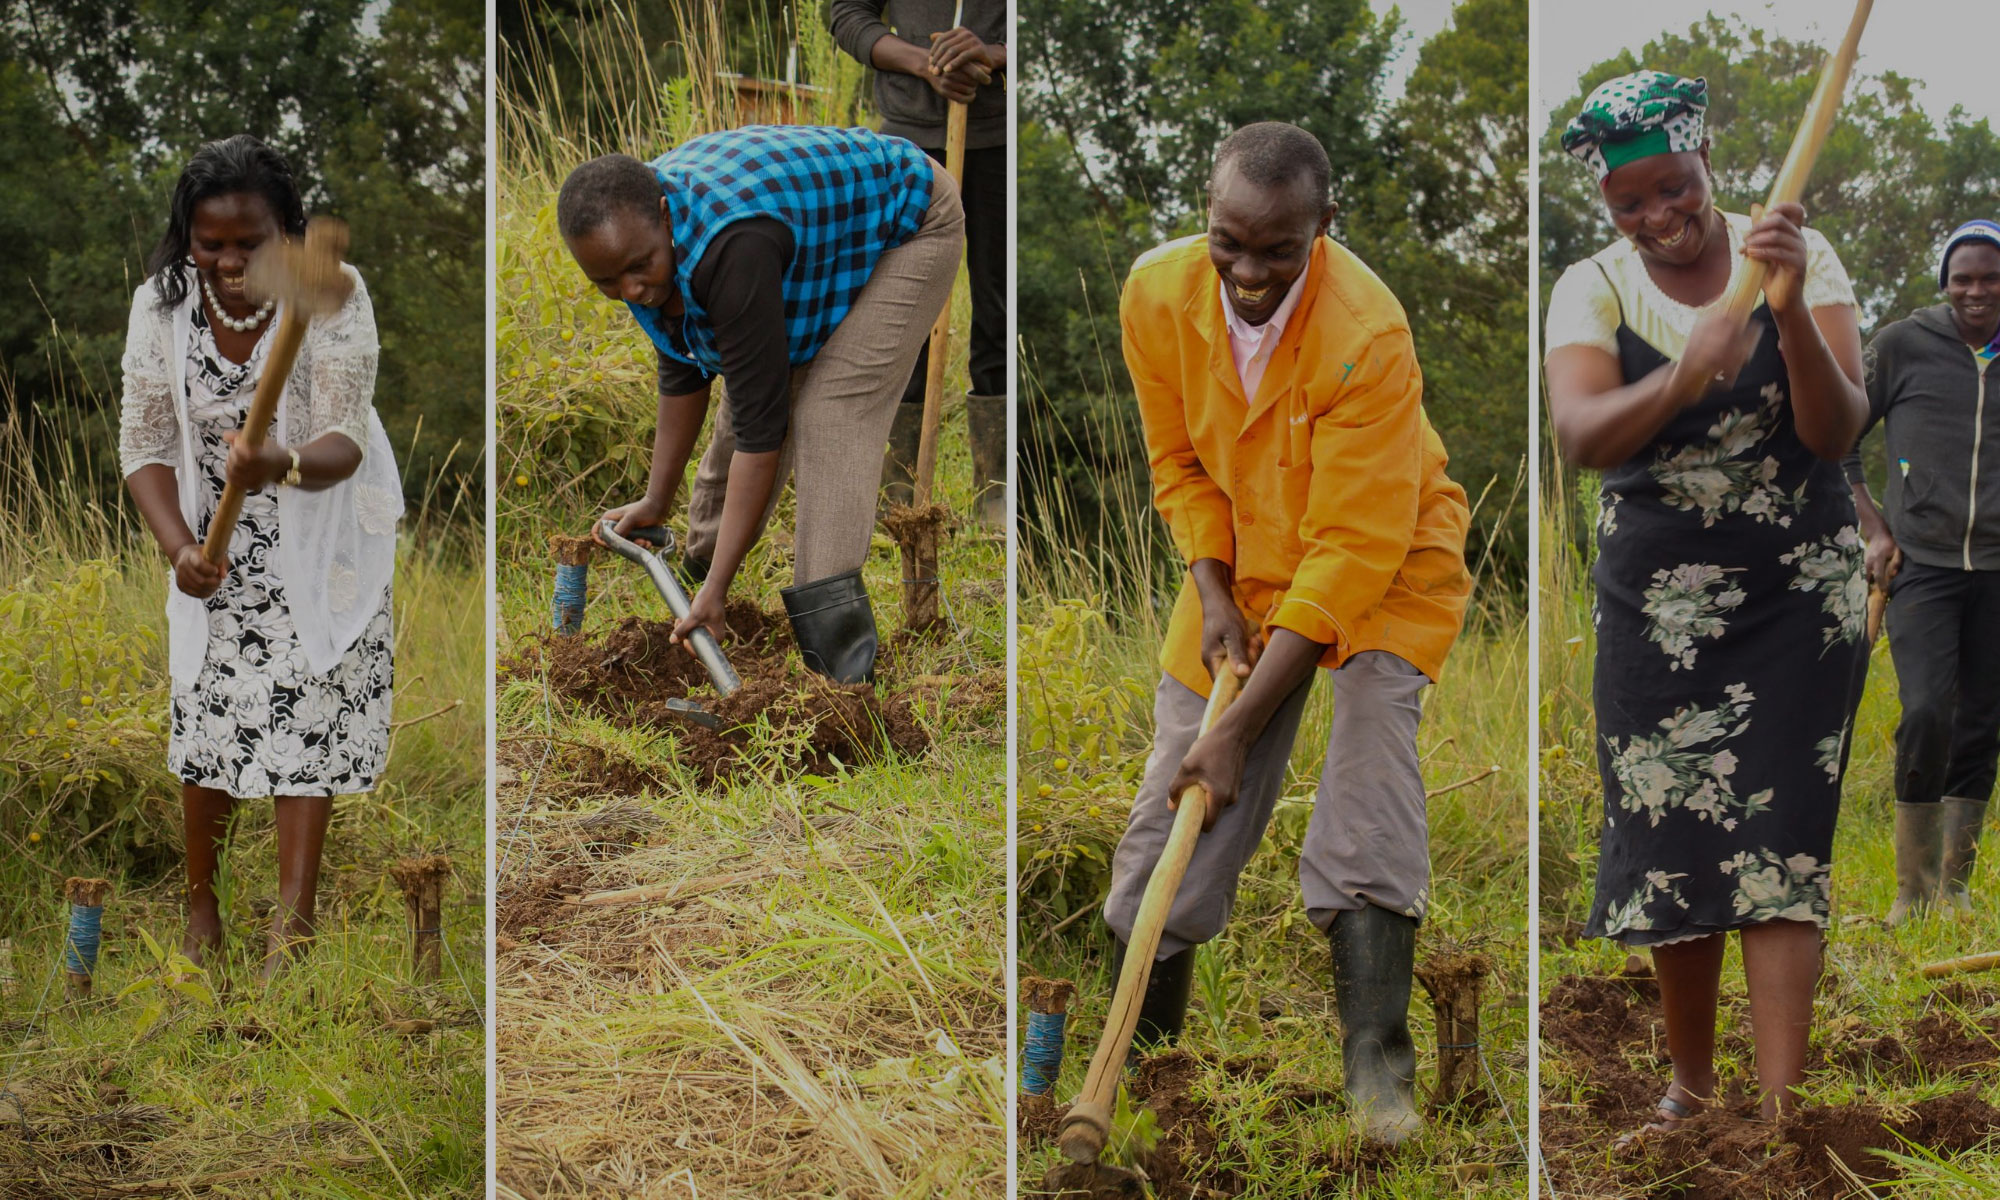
(1608, 1032)
(629, 672)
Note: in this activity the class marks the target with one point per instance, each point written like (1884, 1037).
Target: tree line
(378, 107)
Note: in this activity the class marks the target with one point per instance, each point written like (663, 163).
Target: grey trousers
(1366, 842)
(843, 403)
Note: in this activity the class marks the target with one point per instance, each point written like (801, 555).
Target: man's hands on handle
(955, 66)
(705, 610)
(637, 515)
(1272, 669)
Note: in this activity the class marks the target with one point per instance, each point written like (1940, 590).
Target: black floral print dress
(257, 722)
(1730, 610)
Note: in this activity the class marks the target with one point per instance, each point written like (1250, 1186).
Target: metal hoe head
(304, 276)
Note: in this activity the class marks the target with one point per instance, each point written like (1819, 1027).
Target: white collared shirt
(1252, 345)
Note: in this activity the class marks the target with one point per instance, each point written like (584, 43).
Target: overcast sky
(1421, 19)
(1945, 44)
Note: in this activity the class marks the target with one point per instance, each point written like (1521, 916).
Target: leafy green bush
(84, 719)
(1080, 760)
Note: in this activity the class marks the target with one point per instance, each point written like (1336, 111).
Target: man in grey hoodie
(924, 61)
(1937, 551)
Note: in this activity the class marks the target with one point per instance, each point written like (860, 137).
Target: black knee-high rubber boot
(1163, 1010)
(834, 626)
(1374, 952)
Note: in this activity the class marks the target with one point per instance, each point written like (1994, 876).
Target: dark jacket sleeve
(1876, 362)
(740, 283)
(857, 25)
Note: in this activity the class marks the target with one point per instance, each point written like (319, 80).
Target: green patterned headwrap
(1638, 115)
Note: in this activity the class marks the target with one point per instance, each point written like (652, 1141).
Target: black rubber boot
(899, 459)
(986, 424)
(693, 572)
(1374, 951)
(1163, 1009)
(834, 626)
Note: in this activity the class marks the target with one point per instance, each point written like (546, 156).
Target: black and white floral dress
(258, 722)
(1730, 608)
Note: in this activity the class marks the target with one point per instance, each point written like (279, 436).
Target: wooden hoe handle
(1790, 185)
(1088, 1124)
(954, 161)
(313, 285)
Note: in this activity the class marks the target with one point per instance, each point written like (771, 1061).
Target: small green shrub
(83, 717)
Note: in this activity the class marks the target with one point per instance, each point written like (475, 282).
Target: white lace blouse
(337, 548)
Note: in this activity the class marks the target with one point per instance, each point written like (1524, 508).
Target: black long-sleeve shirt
(739, 282)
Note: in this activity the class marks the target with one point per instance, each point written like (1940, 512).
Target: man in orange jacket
(1306, 490)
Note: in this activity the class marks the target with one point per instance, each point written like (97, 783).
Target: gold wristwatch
(292, 477)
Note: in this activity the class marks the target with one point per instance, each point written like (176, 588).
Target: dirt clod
(1093, 1181)
(629, 672)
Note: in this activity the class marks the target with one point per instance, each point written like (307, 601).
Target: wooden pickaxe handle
(263, 407)
(1959, 966)
(1089, 1121)
(307, 281)
(1741, 298)
(954, 160)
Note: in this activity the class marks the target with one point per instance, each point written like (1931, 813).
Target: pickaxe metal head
(304, 276)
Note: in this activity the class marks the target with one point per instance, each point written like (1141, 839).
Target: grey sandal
(1671, 1111)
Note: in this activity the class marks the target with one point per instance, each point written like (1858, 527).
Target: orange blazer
(1327, 492)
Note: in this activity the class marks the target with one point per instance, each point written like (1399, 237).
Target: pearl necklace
(246, 324)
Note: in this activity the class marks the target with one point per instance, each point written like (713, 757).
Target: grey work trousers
(1366, 842)
(843, 403)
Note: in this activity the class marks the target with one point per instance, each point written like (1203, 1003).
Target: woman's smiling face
(225, 231)
(1661, 203)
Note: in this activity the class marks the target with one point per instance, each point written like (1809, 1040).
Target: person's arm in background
(858, 28)
(1884, 559)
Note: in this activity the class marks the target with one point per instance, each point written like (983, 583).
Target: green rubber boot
(1919, 859)
(986, 424)
(899, 458)
(1963, 820)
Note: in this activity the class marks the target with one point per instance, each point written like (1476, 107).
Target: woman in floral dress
(1730, 598)
(280, 656)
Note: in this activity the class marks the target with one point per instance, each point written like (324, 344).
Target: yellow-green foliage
(82, 717)
(574, 384)
(1083, 754)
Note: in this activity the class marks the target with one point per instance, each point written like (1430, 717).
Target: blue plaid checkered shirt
(847, 195)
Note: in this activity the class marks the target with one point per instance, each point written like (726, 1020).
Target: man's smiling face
(630, 256)
(1260, 238)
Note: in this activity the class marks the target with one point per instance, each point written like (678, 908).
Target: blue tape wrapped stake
(1047, 1002)
(85, 934)
(572, 590)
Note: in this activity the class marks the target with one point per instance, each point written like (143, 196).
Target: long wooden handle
(1790, 185)
(263, 407)
(1100, 1085)
(1958, 966)
(954, 161)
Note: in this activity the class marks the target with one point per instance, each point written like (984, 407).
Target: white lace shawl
(337, 548)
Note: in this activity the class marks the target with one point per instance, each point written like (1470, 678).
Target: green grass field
(1261, 1113)
(1947, 1032)
(169, 1081)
